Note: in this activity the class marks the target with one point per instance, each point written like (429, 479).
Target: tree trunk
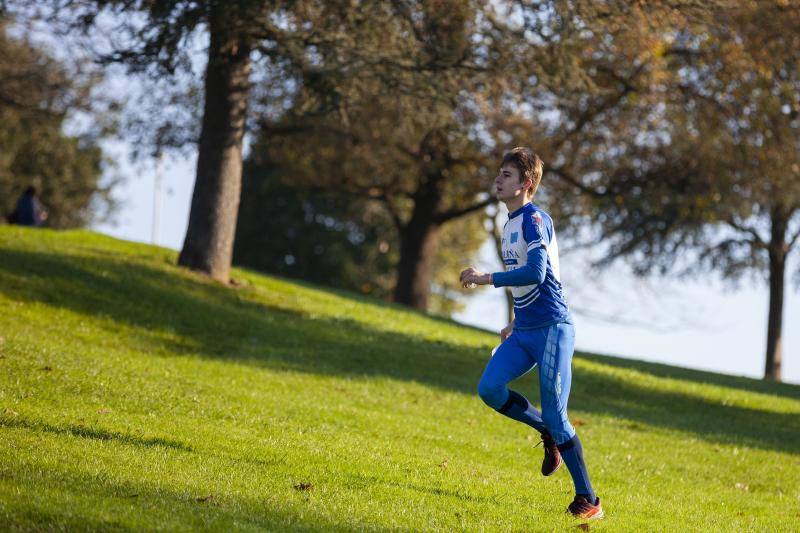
(777, 271)
(418, 241)
(418, 237)
(208, 246)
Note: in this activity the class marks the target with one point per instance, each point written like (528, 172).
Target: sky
(699, 323)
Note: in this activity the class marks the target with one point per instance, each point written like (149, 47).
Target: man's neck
(515, 203)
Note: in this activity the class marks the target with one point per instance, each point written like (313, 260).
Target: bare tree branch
(793, 240)
(565, 175)
(456, 213)
(757, 240)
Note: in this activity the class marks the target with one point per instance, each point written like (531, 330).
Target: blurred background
(354, 144)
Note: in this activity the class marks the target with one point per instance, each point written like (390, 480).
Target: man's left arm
(533, 272)
(536, 234)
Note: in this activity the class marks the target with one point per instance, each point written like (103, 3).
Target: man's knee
(493, 394)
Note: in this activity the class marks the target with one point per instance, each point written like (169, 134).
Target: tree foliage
(406, 132)
(690, 144)
(336, 238)
(411, 48)
(310, 234)
(37, 95)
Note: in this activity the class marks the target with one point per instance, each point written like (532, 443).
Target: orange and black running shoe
(552, 457)
(581, 508)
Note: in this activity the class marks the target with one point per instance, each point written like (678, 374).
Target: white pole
(157, 197)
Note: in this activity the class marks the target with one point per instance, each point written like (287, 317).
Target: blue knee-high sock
(519, 408)
(572, 453)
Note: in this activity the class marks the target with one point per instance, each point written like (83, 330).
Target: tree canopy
(689, 163)
(37, 95)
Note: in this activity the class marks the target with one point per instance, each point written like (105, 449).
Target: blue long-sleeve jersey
(530, 253)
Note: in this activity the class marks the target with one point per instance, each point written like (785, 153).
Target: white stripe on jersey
(528, 297)
(535, 288)
(529, 302)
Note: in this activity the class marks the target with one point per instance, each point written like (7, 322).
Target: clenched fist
(470, 276)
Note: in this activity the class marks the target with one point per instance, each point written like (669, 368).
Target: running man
(541, 333)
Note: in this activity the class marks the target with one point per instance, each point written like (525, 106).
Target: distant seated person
(29, 211)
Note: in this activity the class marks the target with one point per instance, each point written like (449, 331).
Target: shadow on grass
(708, 419)
(785, 390)
(181, 314)
(173, 313)
(367, 481)
(151, 506)
(93, 433)
(365, 299)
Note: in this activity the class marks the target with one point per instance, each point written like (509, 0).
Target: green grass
(135, 395)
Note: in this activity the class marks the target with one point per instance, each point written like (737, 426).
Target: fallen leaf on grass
(443, 464)
(742, 486)
(207, 498)
(578, 423)
(104, 411)
(584, 527)
(304, 486)
(46, 368)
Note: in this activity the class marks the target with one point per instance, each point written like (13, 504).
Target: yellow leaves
(659, 49)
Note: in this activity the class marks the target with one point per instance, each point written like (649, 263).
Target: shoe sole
(596, 516)
(560, 463)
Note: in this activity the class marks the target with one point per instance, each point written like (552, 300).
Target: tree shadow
(709, 420)
(187, 315)
(367, 481)
(164, 508)
(365, 299)
(93, 433)
(170, 313)
(786, 390)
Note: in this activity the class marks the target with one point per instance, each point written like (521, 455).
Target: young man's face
(508, 183)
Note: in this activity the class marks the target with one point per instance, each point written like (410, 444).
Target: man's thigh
(555, 379)
(510, 361)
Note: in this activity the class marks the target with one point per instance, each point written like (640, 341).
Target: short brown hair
(528, 164)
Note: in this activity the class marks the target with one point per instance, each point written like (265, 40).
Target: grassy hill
(136, 395)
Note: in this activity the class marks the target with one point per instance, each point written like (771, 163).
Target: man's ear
(529, 183)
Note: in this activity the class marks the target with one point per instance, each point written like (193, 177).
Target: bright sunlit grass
(135, 395)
